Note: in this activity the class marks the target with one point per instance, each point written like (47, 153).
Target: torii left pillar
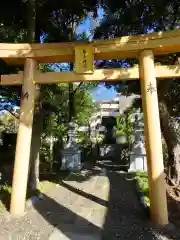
(21, 166)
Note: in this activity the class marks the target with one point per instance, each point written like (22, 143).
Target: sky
(101, 92)
(89, 23)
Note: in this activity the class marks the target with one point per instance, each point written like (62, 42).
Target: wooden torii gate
(83, 55)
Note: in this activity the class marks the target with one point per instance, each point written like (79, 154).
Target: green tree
(56, 122)
(137, 17)
(27, 21)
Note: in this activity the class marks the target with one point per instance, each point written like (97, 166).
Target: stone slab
(57, 235)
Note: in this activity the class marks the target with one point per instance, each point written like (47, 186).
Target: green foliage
(124, 125)
(127, 18)
(147, 15)
(172, 98)
(57, 21)
(57, 97)
(98, 139)
(52, 17)
(5, 193)
(165, 152)
(142, 180)
(84, 106)
(8, 123)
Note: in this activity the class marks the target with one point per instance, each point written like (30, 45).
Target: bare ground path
(96, 205)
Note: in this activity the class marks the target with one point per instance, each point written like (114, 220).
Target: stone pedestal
(71, 155)
(71, 160)
(138, 160)
(107, 151)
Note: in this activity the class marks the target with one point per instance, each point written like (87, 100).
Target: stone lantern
(138, 160)
(71, 155)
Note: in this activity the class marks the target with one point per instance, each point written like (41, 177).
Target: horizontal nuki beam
(99, 75)
(117, 48)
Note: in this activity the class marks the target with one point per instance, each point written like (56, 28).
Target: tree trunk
(71, 92)
(51, 152)
(71, 97)
(57, 158)
(31, 26)
(35, 149)
(36, 141)
(32, 36)
(173, 143)
(71, 102)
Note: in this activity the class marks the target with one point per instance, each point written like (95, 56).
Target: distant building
(116, 105)
(112, 107)
(109, 107)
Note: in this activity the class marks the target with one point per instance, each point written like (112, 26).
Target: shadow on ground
(116, 166)
(64, 219)
(85, 195)
(125, 218)
(174, 209)
(6, 188)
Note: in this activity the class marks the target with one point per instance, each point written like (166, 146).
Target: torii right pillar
(153, 142)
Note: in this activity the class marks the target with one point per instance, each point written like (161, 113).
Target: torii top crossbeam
(123, 47)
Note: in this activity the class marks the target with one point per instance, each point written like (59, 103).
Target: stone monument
(138, 160)
(71, 155)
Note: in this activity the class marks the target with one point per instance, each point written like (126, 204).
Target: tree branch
(74, 92)
(176, 10)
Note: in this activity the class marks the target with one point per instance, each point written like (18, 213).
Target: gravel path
(97, 205)
(125, 218)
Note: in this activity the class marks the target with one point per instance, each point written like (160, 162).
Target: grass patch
(142, 179)
(5, 193)
(77, 177)
(43, 187)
